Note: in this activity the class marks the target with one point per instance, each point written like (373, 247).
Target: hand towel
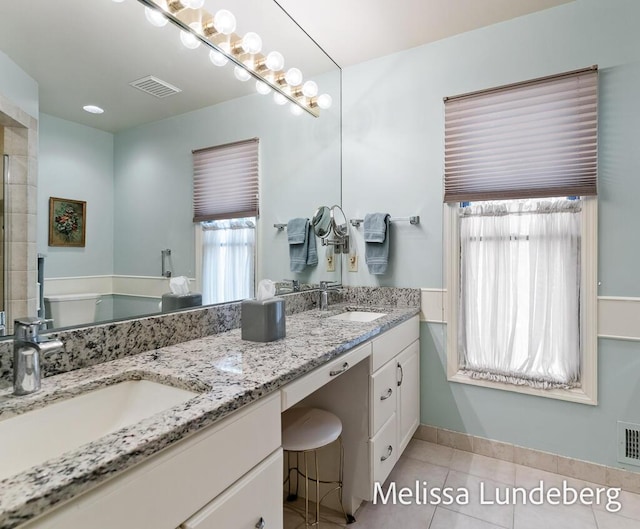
(302, 245)
(376, 238)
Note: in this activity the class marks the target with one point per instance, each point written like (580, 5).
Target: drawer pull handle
(389, 452)
(261, 524)
(337, 372)
(401, 374)
(387, 394)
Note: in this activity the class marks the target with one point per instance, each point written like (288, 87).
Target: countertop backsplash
(93, 345)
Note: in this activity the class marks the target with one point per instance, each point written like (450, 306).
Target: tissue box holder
(263, 321)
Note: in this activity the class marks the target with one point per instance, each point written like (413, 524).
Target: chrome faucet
(325, 288)
(27, 347)
(292, 286)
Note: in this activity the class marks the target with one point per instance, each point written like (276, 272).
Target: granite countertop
(227, 372)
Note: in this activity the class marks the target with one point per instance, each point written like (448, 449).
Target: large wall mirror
(132, 165)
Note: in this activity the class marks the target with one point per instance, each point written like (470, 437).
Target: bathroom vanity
(215, 460)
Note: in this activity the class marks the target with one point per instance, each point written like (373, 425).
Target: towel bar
(415, 219)
(280, 227)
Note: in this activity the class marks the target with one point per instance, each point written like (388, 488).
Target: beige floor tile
(484, 467)
(611, 521)
(409, 471)
(446, 519)
(553, 516)
(501, 515)
(630, 506)
(429, 452)
(371, 516)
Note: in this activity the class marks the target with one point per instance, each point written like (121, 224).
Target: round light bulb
(293, 77)
(217, 58)
(241, 74)
(225, 22)
(193, 4)
(155, 18)
(310, 89)
(279, 98)
(275, 61)
(189, 39)
(252, 43)
(324, 101)
(295, 109)
(262, 88)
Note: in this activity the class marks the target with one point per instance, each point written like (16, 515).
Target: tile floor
(443, 466)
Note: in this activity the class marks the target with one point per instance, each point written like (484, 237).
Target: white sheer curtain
(520, 292)
(228, 260)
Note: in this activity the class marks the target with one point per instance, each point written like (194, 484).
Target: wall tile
(581, 470)
(496, 449)
(426, 433)
(535, 459)
(456, 440)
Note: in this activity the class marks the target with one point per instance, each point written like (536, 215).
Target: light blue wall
(76, 162)
(299, 170)
(18, 87)
(393, 161)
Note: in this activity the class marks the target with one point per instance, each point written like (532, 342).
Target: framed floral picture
(67, 222)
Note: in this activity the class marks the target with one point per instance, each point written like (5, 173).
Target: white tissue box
(263, 321)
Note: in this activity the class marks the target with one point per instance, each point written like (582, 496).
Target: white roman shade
(225, 181)
(527, 140)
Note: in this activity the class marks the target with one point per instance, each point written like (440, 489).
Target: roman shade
(527, 140)
(225, 181)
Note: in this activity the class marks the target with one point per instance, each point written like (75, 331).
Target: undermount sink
(357, 315)
(33, 437)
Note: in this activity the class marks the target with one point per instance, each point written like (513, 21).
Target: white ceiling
(353, 31)
(87, 52)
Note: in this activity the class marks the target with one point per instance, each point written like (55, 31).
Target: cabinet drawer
(383, 392)
(297, 390)
(166, 489)
(383, 451)
(389, 344)
(256, 496)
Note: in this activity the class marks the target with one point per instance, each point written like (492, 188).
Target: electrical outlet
(331, 263)
(353, 263)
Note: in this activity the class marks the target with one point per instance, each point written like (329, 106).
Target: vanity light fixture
(93, 109)
(198, 26)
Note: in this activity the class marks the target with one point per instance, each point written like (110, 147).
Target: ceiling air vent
(155, 87)
(629, 443)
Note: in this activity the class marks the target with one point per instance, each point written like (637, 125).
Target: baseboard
(565, 466)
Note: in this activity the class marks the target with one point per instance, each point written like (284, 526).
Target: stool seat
(309, 429)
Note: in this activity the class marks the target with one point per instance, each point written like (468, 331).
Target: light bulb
(295, 109)
(241, 74)
(310, 89)
(193, 4)
(224, 22)
(155, 18)
(262, 88)
(217, 58)
(293, 77)
(189, 39)
(279, 98)
(252, 43)
(324, 101)
(275, 61)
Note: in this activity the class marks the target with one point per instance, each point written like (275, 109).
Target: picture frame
(67, 222)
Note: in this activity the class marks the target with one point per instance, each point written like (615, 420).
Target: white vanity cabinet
(394, 391)
(195, 484)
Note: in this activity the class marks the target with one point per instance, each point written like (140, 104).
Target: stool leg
(306, 491)
(315, 456)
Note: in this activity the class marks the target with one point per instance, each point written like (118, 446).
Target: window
(521, 272)
(225, 205)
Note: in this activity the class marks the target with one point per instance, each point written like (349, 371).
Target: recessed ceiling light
(93, 109)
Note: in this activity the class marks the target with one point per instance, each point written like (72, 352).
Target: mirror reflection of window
(228, 259)
(225, 203)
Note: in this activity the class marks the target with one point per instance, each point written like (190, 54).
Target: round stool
(305, 430)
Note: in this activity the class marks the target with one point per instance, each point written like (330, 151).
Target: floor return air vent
(629, 443)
